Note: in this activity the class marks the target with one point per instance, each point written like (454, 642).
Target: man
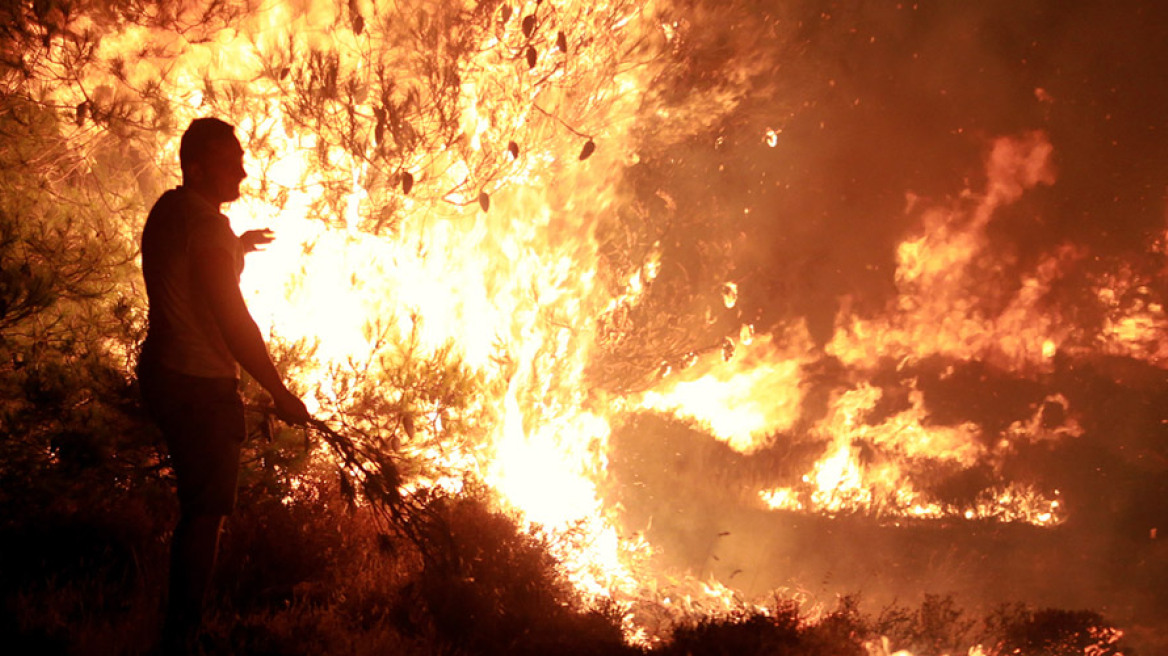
(200, 332)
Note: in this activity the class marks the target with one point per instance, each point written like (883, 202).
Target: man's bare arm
(255, 240)
(213, 273)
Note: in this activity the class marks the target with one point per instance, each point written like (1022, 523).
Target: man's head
(212, 160)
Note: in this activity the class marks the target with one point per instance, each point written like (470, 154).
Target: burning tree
(537, 245)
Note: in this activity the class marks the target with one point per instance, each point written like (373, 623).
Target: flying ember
(538, 207)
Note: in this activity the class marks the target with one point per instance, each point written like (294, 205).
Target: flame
(839, 482)
(759, 393)
(494, 250)
(513, 284)
(740, 402)
(1135, 325)
(934, 314)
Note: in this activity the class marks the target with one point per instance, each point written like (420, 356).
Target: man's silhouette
(200, 332)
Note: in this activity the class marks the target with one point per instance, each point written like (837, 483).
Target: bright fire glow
(741, 401)
(465, 240)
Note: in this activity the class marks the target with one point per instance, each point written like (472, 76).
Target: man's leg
(193, 550)
(203, 424)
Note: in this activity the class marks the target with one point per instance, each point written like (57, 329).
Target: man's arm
(213, 273)
(254, 240)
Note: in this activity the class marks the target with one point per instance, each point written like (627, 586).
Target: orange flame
(493, 249)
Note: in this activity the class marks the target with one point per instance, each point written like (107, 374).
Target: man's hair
(199, 138)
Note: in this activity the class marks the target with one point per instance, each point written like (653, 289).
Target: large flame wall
(784, 225)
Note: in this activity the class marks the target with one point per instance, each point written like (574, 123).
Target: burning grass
(744, 293)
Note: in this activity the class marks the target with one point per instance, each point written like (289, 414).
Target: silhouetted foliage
(1053, 632)
(69, 323)
(781, 630)
(334, 555)
(489, 587)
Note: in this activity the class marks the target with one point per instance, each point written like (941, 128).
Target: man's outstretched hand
(252, 240)
(290, 409)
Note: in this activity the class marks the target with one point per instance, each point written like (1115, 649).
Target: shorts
(203, 424)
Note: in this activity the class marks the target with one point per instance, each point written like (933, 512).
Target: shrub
(781, 630)
(489, 587)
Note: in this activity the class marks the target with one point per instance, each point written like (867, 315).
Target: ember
(718, 296)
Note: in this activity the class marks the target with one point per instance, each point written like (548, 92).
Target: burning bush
(886, 311)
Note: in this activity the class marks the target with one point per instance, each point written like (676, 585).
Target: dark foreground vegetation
(313, 563)
(303, 571)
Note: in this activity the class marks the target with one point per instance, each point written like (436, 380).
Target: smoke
(796, 130)
(785, 154)
(792, 149)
